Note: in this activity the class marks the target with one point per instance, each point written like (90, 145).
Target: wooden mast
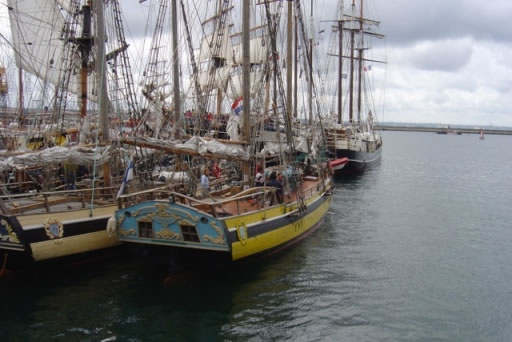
(21, 117)
(246, 82)
(289, 56)
(351, 84)
(246, 75)
(311, 68)
(360, 66)
(340, 68)
(175, 69)
(295, 71)
(102, 81)
(85, 42)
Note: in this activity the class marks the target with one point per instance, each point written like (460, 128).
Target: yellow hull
(52, 249)
(277, 237)
(163, 224)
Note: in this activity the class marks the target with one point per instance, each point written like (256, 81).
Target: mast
(360, 70)
(220, 94)
(295, 74)
(85, 42)
(246, 76)
(311, 68)
(21, 117)
(176, 76)
(102, 81)
(289, 55)
(351, 84)
(100, 70)
(340, 70)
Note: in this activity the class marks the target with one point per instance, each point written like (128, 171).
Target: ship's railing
(252, 199)
(57, 201)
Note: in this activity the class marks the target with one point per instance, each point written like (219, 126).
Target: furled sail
(209, 48)
(235, 86)
(220, 77)
(258, 52)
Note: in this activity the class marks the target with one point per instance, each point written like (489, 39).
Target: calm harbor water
(419, 249)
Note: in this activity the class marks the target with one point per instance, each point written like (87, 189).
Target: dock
(443, 130)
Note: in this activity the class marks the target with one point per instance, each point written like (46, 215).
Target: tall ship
(248, 192)
(352, 134)
(61, 171)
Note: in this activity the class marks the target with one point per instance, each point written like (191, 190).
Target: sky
(448, 61)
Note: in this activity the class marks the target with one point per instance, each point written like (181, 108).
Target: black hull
(358, 161)
(18, 249)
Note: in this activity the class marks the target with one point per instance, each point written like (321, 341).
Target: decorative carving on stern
(54, 228)
(7, 233)
(127, 232)
(168, 234)
(219, 240)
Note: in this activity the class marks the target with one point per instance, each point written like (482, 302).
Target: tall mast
(246, 76)
(85, 42)
(360, 65)
(21, 117)
(220, 94)
(289, 55)
(100, 69)
(295, 73)
(351, 84)
(311, 67)
(340, 66)
(102, 81)
(176, 79)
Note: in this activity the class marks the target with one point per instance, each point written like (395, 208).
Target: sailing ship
(46, 218)
(356, 140)
(234, 216)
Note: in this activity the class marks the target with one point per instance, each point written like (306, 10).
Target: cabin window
(146, 229)
(189, 233)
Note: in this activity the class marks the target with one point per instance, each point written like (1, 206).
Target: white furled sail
(209, 48)
(235, 86)
(258, 52)
(40, 38)
(220, 78)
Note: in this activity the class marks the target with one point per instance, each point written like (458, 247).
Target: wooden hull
(28, 239)
(164, 223)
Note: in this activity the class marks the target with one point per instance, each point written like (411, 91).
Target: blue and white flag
(128, 176)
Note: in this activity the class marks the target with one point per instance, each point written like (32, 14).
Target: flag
(237, 106)
(128, 176)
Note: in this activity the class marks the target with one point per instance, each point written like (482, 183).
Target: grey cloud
(443, 55)
(406, 21)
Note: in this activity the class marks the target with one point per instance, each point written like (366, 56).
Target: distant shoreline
(445, 129)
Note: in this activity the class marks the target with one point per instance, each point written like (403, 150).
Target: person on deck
(273, 182)
(70, 172)
(259, 180)
(205, 183)
(216, 170)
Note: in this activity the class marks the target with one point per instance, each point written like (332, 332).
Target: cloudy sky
(448, 61)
